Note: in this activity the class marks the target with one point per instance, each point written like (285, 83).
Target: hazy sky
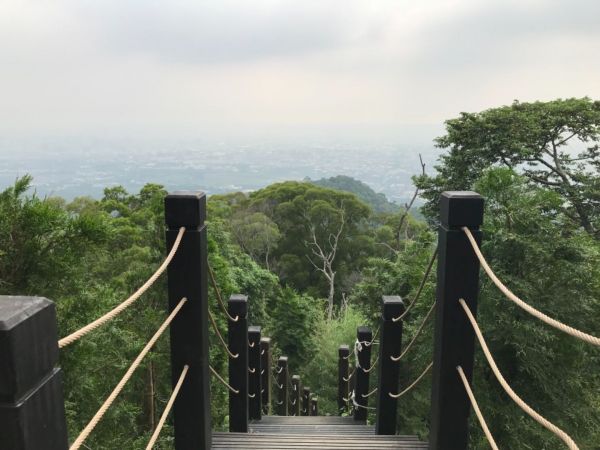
(170, 68)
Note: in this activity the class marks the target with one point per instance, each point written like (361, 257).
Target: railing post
(364, 335)
(457, 277)
(314, 406)
(32, 408)
(187, 277)
(254, 382)
(343, 382)
(296, 396)
(282, 386)
(265, 372)
(390, 344)
(305, 401)
(238, 367)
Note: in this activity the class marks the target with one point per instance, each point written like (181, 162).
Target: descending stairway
(313, 432)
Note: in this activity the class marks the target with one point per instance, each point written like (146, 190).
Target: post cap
(391, 306)
(283, 360)
(28, 343)
(185, 209)
(364, 333)
(461, 209)
(254, 329)
(296, 378)
(238, 305)
(306, 389)
(344, 350)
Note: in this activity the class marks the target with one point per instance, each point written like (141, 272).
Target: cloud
(142, 66)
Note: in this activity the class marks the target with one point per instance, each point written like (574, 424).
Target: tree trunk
(331, 295)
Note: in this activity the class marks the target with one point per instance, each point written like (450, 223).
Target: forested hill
(315, 262)
(377, 201)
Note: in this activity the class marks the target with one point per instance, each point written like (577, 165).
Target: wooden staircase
(313, 432)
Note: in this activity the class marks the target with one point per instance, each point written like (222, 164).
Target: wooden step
(266, 441)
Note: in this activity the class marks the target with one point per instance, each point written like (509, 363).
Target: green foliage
(320, 373)
(377, 201)
(553, 144)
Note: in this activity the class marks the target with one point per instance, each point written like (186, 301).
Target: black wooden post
(364, 336)
(390, 344)
(296, 396)
(238, 367)
(343, 382)
(187, 277)
(265, 372)
(457, 277)
(254, 377)
(314, 406)
(305, 411)
(32, 408)
(282, 386)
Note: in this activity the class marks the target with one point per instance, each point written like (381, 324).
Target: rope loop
(413, 384)
(117, 390)
(421, 286)
(530, 309)
(218, 333)
(165, 413)
(512, 394)
(225, 383)
(398, 358)
(480, 417)
(124, 305)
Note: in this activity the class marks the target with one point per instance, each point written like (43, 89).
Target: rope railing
(370, 368)
(349, 376)
(512, 394)
(413, 384)
(525, 306)
(165, 414)
(369, 394)
(419, 330)
(225, 383)
(125, 304)
(421, 286)
(117, 390)
(218, 333)
(213, 281)
(357, 405)
(475, 406)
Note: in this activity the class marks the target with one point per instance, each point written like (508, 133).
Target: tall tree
(553, 144)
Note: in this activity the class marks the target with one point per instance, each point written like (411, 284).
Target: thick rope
(218, 294)
(119, 309)
(524, 406)
(421, 286)
(414, 383)
(113, 395)
(398, 358)
(218, 333)
(252, 370)
(486, 430)
(372, 365)
(225, 383)
(369, 394)
(349, 376)
(530, 309)
(165, 413)
(356, 405)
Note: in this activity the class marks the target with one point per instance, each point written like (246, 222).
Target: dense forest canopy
(315, 260)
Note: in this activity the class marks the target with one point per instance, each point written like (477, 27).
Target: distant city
(77, 167)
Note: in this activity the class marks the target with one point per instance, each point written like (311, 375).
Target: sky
(230, 67)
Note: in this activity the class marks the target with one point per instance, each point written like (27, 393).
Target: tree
(552, 144)
(321, 235)
(256, 234)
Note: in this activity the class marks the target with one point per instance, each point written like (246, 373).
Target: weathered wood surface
(312, 432)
